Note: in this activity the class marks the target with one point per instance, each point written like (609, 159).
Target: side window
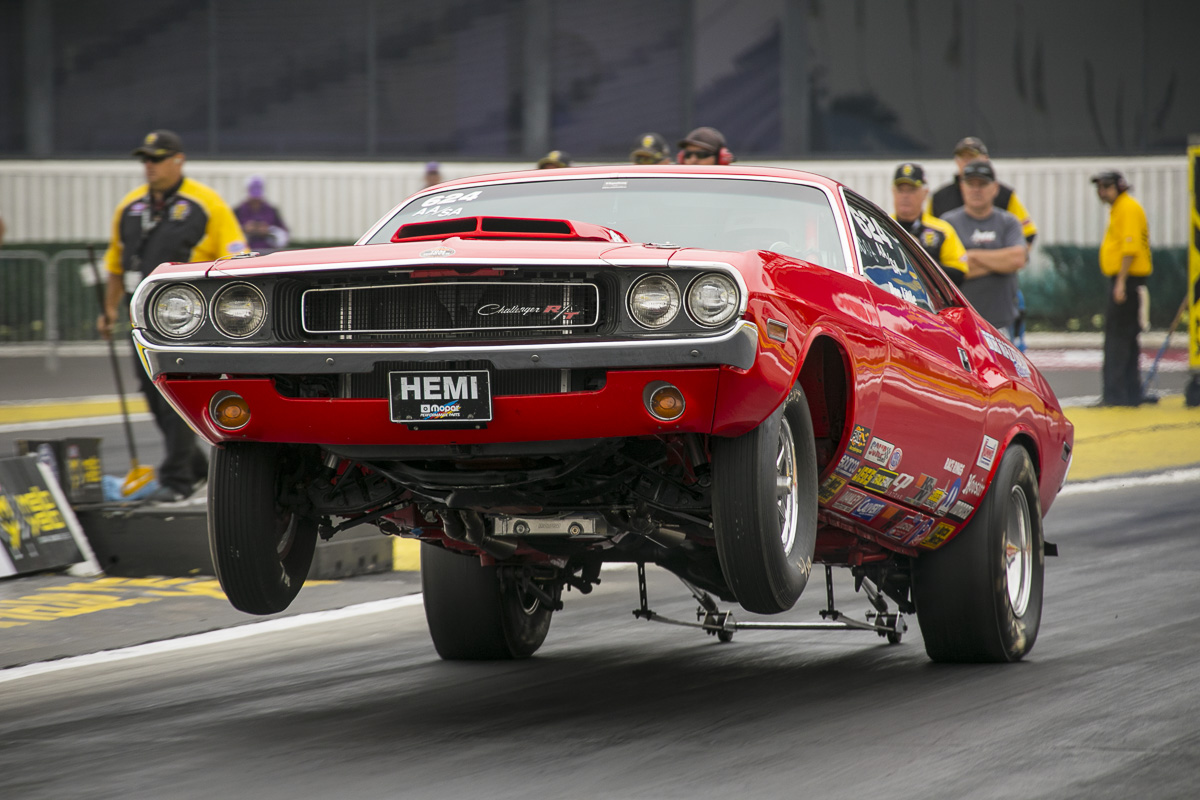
(885, 262)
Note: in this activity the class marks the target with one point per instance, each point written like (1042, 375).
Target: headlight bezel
(215, 318)
(199, 301)
(732, 308)
(672, 290)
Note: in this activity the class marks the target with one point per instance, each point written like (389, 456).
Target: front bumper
(735, 348)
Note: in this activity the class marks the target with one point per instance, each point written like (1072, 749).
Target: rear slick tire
(764, 502)
(472, 614)
(261, 551)
(979, 596)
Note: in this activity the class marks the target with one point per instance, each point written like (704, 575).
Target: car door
(929, 424)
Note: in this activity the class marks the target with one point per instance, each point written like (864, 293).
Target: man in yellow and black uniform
(169, 218)
(1125, 261)
(937, 236)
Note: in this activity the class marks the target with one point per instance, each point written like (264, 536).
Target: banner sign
(38, 529)
(1194, 257)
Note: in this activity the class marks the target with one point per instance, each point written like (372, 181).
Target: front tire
(472, 614)
(979, 596)
(764, 501)
(261, 551)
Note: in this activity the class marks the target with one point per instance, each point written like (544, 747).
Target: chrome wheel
(1018, 552)
(786, 486)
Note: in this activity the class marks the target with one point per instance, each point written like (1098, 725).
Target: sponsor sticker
(868, 509)
(829, 489)
(951, 496)
(858, 439)
(847, 466)
(919, 527)
(938, 535)
(864, 476)
(888, 518)
(934, 498)
(882, 481)
(960, 511)
(879, 452)
(974, 487)
(894, 461)
(849, 500)
(440, 250)
(987, 453)
(926, 485)
(956, 467)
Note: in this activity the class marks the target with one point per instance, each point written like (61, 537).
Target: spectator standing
(1125, 261)
(651, 149)
(433, 174)
(555, 159)
(996, 248)
(704, 146)
(169, 218)
(938, 237)
(264, 226)
(950, 196)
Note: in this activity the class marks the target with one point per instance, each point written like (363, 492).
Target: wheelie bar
(712, 620)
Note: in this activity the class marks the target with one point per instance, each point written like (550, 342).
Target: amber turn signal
(229, 411)
(663, 401)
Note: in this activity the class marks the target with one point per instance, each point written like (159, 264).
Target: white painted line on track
(209, 637)
(73, 422)
(1111, 484)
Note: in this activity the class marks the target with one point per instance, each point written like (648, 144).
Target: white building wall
(73, 201)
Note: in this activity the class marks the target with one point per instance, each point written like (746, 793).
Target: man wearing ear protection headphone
(704, 146)
(169, 218)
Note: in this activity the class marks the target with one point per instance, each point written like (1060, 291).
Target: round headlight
(654, 301)
(178, 310)
(239, 310)
(712, 299)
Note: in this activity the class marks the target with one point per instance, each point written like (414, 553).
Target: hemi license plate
(451, 396)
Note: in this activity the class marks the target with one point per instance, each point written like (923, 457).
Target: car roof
(629, 170)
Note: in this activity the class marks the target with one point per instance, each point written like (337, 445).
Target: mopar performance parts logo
(448, 411)
(554, 311)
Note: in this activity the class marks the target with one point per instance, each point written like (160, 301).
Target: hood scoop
(505, 228)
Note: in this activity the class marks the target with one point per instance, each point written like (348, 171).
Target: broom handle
(112, 355)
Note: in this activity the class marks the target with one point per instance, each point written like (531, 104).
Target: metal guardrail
(47, 299)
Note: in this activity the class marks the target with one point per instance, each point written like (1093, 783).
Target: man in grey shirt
(995, 244)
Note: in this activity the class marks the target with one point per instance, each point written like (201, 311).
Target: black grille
(452, 307)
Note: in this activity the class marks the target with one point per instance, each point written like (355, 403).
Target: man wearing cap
(996, 248)
(950, 196)
(937, 236)
(263, 224)
(704, 146)
(555, 159)
(651, 149)
(433, 174)
(1125, 261)
(169, 218)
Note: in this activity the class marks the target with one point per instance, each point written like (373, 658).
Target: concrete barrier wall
(72, 201)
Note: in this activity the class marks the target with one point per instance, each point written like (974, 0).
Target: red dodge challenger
(734, 373)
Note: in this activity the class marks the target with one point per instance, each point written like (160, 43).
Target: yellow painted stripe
(1118, 441)
(41, 412)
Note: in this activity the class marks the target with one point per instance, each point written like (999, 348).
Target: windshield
(712, 213)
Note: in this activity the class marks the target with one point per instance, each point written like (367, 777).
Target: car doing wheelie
(737, 374)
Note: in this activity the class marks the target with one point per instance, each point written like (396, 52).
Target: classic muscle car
(733, 373)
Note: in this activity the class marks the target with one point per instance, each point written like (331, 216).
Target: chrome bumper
(737, 348)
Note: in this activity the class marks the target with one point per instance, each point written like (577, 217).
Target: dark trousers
(1122, 382)
(186, 463)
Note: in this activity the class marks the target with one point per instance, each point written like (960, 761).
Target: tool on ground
(1154, 367)
(139, 474)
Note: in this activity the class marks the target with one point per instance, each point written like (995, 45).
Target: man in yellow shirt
(168, 218)
(937, 236)
(1125, 261)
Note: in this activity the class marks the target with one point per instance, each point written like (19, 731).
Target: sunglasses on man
(698, 154)
(155, 159)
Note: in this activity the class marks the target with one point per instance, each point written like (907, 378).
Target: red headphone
(724, 156)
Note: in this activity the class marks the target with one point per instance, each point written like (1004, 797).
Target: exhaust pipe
(468, 527)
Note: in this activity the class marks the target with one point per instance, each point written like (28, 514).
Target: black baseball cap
(708, 138)
(979, 168)
(971, 144)
(908, 172)
(650, 146)
(159, 144)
